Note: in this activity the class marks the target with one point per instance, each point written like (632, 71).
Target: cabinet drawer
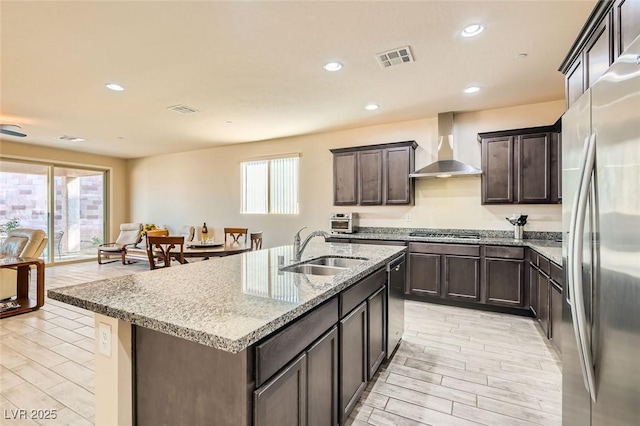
(503, 252)
(360, 291)
(455, 249)
(279, 350)
(557, 274)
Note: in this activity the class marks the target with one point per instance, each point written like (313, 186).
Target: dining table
(212, 249)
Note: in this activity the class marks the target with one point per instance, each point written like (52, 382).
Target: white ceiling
(254, 71)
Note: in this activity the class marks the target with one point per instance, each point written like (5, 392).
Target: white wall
(204, 186)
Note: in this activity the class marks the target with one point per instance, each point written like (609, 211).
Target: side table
(27, 303)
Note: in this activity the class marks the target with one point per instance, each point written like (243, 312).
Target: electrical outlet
(407, 217)
(104, 339)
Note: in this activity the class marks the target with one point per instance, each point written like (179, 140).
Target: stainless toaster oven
(343, 222)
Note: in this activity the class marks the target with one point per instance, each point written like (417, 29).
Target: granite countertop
(227, 303)
(549, 248)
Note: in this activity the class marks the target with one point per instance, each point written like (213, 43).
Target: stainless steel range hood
(446, 166)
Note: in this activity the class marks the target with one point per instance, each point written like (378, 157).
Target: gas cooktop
(444, 236)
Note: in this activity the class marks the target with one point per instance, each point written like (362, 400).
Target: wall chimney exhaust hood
(446, 166)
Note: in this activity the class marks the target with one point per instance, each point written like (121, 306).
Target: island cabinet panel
(555, 317)
(359, 292)
(543, 301)
(282, 401)
(374, 174)
(278, 350)
(370, 177)
(533, 289)
(376, 330)
(322, 380)
(626, 24)
(504, 282)
(353, 359)
(462, 277)
(497, 170)
(424, 274)
(397, 188)
(345, 179)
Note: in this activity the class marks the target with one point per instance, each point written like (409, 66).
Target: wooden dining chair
(159, 249)
(256, 240)
(235, 233)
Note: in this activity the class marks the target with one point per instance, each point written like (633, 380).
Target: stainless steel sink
(314, 269)
(338, 262)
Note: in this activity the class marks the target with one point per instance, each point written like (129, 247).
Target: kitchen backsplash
(483, 233)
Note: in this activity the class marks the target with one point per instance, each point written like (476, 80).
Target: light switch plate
(104, 339)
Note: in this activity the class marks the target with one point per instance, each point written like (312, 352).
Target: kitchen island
(225, 341)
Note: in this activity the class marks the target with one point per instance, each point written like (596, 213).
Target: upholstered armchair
(130, 235)
(21, 242)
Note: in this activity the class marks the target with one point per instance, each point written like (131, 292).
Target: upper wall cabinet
(374, 174)
(521, 166)
(611, 27)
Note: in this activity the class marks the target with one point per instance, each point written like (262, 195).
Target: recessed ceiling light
(115, 86)
(371, 107)
(520, 56)
(67, 138)
(443, 176)
(472, 89)
(333, 66)
(472, 30)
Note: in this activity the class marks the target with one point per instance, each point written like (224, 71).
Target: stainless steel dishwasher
(395, 311)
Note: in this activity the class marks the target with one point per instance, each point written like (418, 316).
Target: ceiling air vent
(67, 138)
(182, 109)
(395, 57)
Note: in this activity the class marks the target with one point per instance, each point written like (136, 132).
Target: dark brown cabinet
(345, 178)
(283, 400)
(370, 177)
(555, 316)
(503, 280)
(543, 301)
(611, 27)
(376, 330)
(322, 380)
(353, 359)
(462, 277)
(450, 271)
(533, 289)
(424, 274)
(374, 174)
(521, 166)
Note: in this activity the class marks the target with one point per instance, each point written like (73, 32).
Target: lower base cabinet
(376, 330)
(282, 401)
(353, 359)
(543, 301)
(305, 392)
(462, 277)
(504, 282)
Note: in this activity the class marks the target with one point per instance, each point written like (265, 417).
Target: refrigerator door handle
(578, 293)
(571, 261)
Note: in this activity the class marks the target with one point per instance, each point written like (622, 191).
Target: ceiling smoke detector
(182, 109)
(393, 57)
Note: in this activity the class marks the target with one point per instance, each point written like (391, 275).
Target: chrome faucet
(298, 247)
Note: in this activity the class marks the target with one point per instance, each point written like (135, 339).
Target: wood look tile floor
(455, 366)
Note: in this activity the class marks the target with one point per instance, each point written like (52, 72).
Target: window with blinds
(270, 186)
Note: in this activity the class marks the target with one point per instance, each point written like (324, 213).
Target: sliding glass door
(32, 193)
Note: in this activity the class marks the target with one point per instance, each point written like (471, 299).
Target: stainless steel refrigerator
(601, 249)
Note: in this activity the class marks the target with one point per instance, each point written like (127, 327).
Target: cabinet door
(462, 277)
(370, 177)
(376, 330)
(353, 359)
(533, 168)
(424, 274)
(398, 187)
(556, 167)
(575, 82)
(497, 170)
(322, 380)
(543, 301)
(345, 177)
(504, 282)
(626, 16)
(598, 54)
(555, 317)
(282, 400)
(533, 289)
